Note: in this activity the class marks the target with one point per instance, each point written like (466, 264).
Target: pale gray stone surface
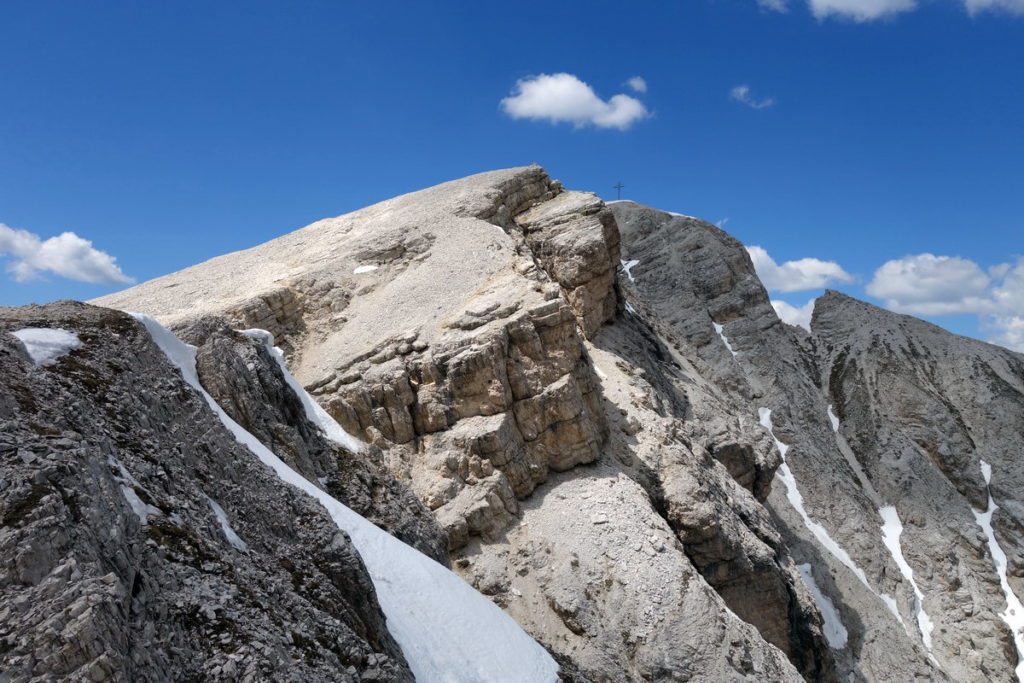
(582, 444)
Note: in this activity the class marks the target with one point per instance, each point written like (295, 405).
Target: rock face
(923, 410)
(591, 413)
(468, 357)
(248, 384)
(116, 566)
(918, 409)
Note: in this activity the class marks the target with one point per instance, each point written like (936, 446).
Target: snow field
(45, 345)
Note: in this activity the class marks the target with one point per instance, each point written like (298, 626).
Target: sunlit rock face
(590, 412)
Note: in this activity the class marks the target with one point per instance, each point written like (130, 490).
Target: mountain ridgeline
(508, 433)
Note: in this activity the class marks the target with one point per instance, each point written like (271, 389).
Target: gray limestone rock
(116, 564)
(565, 400)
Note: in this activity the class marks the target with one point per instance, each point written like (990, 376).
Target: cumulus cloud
(67, 255)
(638, 84)
(1011, 6)
(860, 10)
(563, 98)
(1010, 331)
(741, 94)
(794, 315)
(929, 285)
(871, 10)
(925, 284)
(796, 276)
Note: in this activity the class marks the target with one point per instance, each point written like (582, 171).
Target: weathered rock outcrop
(638, 463)
(117, 565)
(466, 356)
(908, 396)
(922, 409)
(248, 384)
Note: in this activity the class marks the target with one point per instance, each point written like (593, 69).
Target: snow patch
(128, 484)
(45, 344)
(314, 413)
(820, 532)
(627, 268)
(890, 602)
(1014, 614)
(725, 340)
(797, 501)
(225, 525)
(892, 529)
(835, 632)
(142, 510)
(630, 309)
(364, 269)
(441, 623)
(833, 419)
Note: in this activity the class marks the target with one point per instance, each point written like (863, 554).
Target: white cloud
(638, 84)
(860, 10)
(1011, 6)
(793, 315)
(564, 98)
(925, 284)
(67, 255)
(871, 10)
(796, 276)
(1011, 331)
(741, 94)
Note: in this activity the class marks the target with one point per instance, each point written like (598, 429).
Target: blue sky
(168, 133)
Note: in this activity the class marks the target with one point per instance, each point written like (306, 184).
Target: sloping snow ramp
(448, 632)
(1014, 614)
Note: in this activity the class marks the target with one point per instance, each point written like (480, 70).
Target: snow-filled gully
(1014, 614)
(448, 632)
(892, 529)
(725, 340)
(835, 632)
(797, 501)
(827, 610)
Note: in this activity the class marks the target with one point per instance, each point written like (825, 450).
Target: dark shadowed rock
(116, 566)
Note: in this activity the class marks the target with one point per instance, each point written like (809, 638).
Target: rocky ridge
(594, 415)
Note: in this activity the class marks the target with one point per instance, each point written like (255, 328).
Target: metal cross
(618, 188)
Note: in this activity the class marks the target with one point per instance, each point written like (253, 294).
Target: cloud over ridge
(564, 98)
(926, 284)
(796, 276)
(66, 255)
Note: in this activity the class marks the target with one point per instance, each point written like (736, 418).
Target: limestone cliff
(590, 412)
